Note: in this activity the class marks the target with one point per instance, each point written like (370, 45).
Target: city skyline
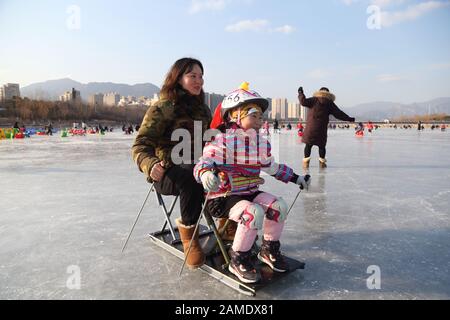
(279, 108)
(274, 46)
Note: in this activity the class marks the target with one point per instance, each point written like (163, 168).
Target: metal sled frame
(217, 258)
(168, 238)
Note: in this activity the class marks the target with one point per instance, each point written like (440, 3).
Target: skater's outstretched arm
(306, 102)
(339, 114)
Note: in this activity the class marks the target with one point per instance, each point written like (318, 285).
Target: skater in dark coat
(320, 106)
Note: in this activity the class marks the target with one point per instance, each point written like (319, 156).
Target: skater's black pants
(179, 180)
(322, 151)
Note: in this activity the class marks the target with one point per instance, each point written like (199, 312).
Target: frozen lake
(67, 205)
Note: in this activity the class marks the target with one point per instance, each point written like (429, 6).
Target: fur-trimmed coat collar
(325, 94)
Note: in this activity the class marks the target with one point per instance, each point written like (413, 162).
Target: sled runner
(217, 260)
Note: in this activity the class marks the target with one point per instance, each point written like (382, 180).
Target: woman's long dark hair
(171, 88)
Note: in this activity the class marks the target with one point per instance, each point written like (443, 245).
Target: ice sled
(216, 251)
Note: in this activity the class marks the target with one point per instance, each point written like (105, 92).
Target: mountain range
(375, 111)
(378, 111)
(52, 89)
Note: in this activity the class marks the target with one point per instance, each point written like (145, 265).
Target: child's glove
(304, 182)
(210, 181)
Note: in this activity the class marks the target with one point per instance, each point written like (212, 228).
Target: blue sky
(275, 45)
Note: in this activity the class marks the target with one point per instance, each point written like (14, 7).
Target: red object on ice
(77, 132)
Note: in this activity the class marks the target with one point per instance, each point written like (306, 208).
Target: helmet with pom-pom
(239, 97)
(243, 96)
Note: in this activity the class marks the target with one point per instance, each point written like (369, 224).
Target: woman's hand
(157, 172)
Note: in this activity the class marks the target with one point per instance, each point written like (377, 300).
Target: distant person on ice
(239, 154)
(276, 126)
(359, 130)
(321, 106)
(300, 129)
(49, 129)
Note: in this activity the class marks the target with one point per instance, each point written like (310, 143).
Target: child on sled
(239, 153)
(359, 130)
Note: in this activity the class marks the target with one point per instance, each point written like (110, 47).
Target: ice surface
(383, 201)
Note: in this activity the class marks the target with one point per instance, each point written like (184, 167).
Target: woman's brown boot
(196, 256)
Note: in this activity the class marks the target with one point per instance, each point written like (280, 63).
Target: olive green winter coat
(154, 140)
